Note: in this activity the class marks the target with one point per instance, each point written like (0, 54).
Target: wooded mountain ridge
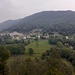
(51, 21)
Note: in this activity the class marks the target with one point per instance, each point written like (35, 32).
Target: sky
(15, 9)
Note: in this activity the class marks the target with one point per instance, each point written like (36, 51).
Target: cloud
(5, 6)
(14, 9)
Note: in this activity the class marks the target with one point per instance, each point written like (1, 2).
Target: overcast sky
(14, 9)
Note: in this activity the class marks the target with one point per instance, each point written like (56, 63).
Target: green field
(42, 46)
(39, 47)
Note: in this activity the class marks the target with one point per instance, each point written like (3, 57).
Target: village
(36, 33)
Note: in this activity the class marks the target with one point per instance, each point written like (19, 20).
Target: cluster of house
(14, 35)
(31, 35)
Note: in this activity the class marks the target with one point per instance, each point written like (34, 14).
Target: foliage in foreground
(64, 52)
(52, 65)
(4, 55)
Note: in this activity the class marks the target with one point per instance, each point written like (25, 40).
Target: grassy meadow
(39, 46)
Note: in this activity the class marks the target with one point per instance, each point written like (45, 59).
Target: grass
(42, 46)
(39, 47)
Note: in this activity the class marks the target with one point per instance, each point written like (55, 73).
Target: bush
(16, 49)
(30, 51)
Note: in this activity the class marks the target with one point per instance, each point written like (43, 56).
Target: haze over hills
(7, 24)
(56, 21)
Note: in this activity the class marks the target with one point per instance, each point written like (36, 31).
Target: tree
(37, 41)
(4, 55)
(0, 41)
(16, 49)
(30, 51)
(43, 56)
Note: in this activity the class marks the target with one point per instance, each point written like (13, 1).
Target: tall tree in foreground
(4, 55)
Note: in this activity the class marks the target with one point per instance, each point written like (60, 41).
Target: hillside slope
(56, 21)
(7, 24)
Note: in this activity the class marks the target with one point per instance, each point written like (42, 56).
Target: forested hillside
(55, 21)
(7, 24)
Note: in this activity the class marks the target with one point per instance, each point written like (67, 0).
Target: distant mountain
(52, 21)
(5, 25)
